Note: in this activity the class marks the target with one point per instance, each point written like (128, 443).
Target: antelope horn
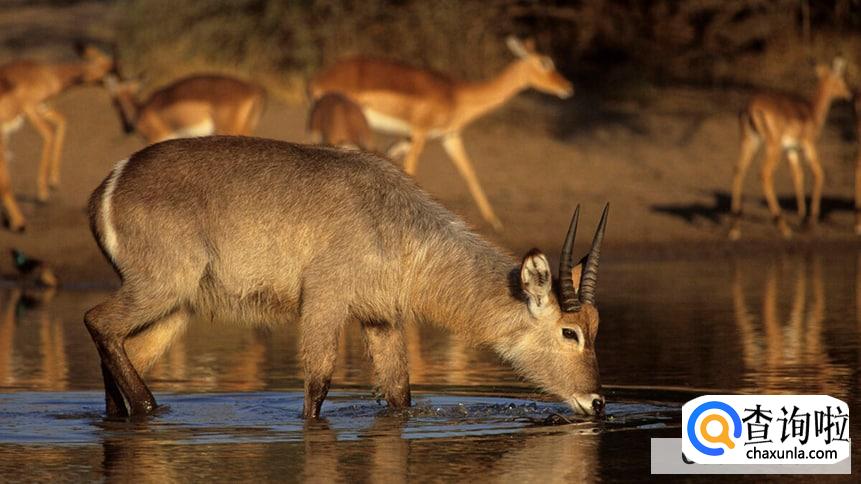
(567, 293)
(589, 279)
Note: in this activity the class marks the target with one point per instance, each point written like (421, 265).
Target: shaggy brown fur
(266, 232)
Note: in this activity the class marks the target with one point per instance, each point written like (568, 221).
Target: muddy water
(670, 330)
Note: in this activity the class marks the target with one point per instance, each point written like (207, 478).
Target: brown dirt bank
(664, 162)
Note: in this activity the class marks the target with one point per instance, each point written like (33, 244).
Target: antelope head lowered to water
(266, 232)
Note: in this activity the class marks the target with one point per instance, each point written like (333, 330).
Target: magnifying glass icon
(722, 437)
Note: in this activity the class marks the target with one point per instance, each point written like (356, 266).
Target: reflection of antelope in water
(385, 452)
(568, 456)
(53, 362)
(243, 370)
(791, 348)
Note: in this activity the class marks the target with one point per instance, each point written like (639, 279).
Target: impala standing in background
(265, 232)
(336, 121)
(192, 106)
(25, 87)
(423, 104)
(791, 125)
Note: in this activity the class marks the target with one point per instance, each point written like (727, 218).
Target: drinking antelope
(25, 88)
(263, 232)
(423, 104)
(791, 125)
(192, 106)
(336, 121)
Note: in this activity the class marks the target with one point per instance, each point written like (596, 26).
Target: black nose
(598, 405)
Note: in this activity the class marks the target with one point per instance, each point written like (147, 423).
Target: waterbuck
(266, 232)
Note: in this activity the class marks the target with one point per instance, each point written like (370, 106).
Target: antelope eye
(569, 333)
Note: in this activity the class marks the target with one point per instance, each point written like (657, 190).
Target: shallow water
(670, 330)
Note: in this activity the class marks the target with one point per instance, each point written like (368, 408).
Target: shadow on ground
(719, 208)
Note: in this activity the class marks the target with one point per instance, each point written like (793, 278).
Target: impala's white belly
(385, 123)
(392, 125)
(789, 142)
(10, 127)
(205, 128)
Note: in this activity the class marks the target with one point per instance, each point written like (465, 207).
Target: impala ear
(516, 46)
(822, 70)
(536, 280)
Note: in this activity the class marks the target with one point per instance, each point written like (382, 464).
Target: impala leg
(454, 147)
(749, 145)
(59, 122)
(772, 157)
(388, 351)
(13, 213)
(417, 145)
(812, 156)
(798, 182)
(44, 130)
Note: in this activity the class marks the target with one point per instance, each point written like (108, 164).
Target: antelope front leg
(454, 147)
(319, 352)
(388, 351)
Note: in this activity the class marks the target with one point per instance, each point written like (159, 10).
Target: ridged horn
(568, 300)
(589, 279)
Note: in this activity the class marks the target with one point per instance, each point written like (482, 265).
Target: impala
(200, 105)
(790, 125)
(25, 88)
(335, 120)
(263, 232)
(422, 104)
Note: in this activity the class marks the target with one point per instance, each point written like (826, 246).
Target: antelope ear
(516, 46)
(536, 280)
(822, 70)
(576, 272)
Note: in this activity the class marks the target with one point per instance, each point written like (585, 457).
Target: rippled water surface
(670, 330)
